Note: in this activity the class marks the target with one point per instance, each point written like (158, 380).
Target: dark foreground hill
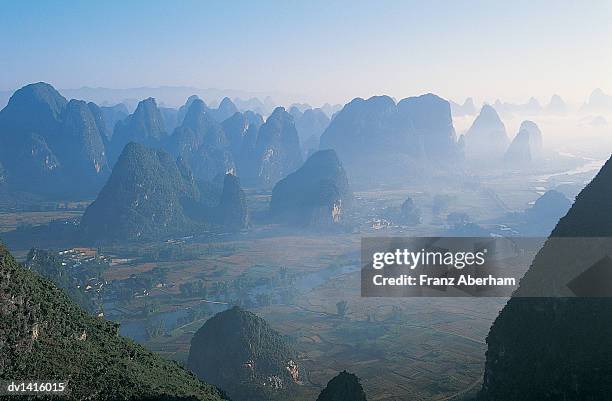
(344, 387)
(46, 336)
(556, 348)
(239, 352)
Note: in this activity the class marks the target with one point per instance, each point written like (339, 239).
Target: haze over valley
(162, 237)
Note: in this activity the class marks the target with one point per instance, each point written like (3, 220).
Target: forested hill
(45, 336)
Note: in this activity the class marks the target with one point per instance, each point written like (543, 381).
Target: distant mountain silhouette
(599, 102)
(241, 131)
(277, 150)
(556, 348)
(201, 143)
(556, 105)
(239, 352)
(112, 115)
(51, 146)
(182, 111)
(170, 117)
(394, 137)
(255, 105)
(310, 125)
(145, 126)
(532, 107)
(465, 109)
(225, 110)
(486, 138)
(526, 147)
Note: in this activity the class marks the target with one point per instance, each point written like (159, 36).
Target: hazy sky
(326, 50)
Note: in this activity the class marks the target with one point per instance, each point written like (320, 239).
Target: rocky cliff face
(526, 147)
(277, 151)
(201, 142)
(81, 147)
(44, 334)
(556, 348)
(239, 352)
(145, 197)
(486, 139)
(145, 126)
(316, 194)
(241, 130)
(51, 146)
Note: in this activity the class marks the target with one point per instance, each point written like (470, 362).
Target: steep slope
(145, 125)
(182, 111)
(526, 147)
(51, 146)
(241, 131)
(465, 109)
(46, 336)
(34, 108)
(407, 135)
(225, 110)
(80, 146)
(317, 193)
(239, 352)
(170, 117)
(112, 115)
(277, 150)
(431, 120)
(556, 105)
(145, 197)
(556, 348)
(201, 143)
(344, 387)
(486, 139)
(231, 213)
(310, 126)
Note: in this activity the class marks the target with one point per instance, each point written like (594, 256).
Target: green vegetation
(44, 335)
(48, 265)
(239, 352)
(344, 387)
